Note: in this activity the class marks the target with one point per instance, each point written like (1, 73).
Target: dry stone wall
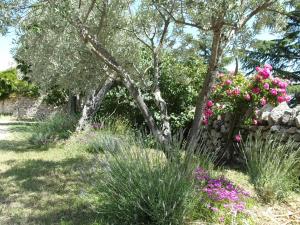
(281, 119)
(26, 107)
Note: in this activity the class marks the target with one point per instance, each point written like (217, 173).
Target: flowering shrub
(223, 200)
(237, 92)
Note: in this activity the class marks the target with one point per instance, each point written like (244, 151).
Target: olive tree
(99, 40)
(225, 23)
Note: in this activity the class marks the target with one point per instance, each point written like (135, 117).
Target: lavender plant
(273, 164)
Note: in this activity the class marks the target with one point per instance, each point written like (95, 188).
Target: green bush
(10, 84)
(57, 126)
(180, 82)
(273, 165)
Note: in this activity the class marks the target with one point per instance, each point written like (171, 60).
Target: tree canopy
(283, 53)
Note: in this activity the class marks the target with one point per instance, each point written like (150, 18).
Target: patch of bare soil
(286, 213)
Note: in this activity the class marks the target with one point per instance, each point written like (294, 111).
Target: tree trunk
(135, 92)
(72, 104)
(94, 102)
(204, 93)
(101, 52)
(160, 102)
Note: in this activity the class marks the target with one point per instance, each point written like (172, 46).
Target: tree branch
(103, 15)
(183, 22)
(89, 11)
(137, 37)
(254, 12)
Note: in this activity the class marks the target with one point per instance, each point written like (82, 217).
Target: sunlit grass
(39, 186)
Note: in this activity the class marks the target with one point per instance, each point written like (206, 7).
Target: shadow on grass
(22, 123)
(20, 128)
(19, 146)
(40, 175)
(50, 189)
(79, 214)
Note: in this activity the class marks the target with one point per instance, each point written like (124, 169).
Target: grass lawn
(39, 186)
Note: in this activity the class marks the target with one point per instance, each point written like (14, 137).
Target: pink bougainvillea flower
(238, 138)
(222, 219)
(276, 80)
(236, 91)
(288, 98)
(258, 69)
(254, 122)
(205, 121)
(228, 82)
(280, 99)
(281, 90)
(266, 86)
(228, 92)
(247, 97)
(214, 209)
(208, 112)
(209, 104)
(263, 101)
(282, 84)
(256, 90)
(265, 73)
(273, 91)
(268, 66)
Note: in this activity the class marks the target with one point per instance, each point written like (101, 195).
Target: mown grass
(39, 186)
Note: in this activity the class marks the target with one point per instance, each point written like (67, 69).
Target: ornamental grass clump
(219, 200)
(56, 127)
(137, 186)
(103, 135)
(273, 164)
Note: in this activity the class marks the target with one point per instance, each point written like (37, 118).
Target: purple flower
(214, 209)
(201, 174)
(221, 190)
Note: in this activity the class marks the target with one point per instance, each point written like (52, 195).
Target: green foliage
(10, 84)
(57, 126)
(56, 96)
(272, 164)
(293, 89)
(5, 88)
(180, 81)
